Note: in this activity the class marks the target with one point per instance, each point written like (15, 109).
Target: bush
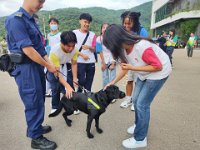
(188, 26)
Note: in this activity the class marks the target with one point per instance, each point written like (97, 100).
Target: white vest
(135, 59)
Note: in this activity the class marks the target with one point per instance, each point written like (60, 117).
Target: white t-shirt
(59, 57)
(91, 41)
(53, 39)
(136, 58)
(108, 58)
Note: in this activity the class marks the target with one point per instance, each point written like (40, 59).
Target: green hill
(69, 17)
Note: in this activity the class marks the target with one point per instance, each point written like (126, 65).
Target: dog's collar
(93, 103)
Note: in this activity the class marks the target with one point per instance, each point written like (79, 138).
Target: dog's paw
(99, 130)
(69, 124)
(90, 136)
(50, 115)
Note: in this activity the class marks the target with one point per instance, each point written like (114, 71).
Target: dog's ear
(110, 91)
(101, 95)
(113, 88)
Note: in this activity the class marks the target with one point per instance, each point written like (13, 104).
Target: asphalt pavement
(174, 124)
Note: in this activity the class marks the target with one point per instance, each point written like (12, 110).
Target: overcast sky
(9, 6)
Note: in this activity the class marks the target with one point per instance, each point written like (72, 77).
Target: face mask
(54, 27)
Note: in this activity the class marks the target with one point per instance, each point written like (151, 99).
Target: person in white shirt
(53, 38)
(152, 66)
(108, 65)
(86, 59)
(130, 21)
(62, 53)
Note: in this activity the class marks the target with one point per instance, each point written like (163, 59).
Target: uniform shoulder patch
(18, 14)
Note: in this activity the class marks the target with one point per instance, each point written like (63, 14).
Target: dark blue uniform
(22, 31)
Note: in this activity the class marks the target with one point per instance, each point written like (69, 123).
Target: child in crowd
(191, 43)
(108, 65)
(170, 43)
(53, 38)
(86, 43)
(62, 53)
(130, 21)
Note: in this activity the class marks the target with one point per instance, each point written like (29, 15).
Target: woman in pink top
(152, 66)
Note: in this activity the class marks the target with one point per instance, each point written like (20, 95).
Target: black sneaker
(46, 129)
(43, 144)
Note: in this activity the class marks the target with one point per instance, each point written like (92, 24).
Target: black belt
(19, 58)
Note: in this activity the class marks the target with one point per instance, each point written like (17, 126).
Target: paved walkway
(175, 115)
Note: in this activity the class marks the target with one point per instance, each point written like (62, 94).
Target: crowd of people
(69, 57)
(167, 42)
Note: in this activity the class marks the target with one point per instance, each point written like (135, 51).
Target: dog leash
(85, 90)
(82, 88)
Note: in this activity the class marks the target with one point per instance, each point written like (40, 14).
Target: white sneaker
(127, 102)
(132, 108)
(113, 101)
(53, 110)
(132, 143)
(131, 129)
(48, 93)
(76, 112)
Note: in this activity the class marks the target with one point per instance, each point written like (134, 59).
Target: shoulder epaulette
(18, 14)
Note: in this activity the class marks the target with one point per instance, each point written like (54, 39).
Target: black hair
(67, 37)
(102, 27)
(133, 17)
(35, 16)
(172, 30)
(115, 36)
(53, 19)
(86, 16)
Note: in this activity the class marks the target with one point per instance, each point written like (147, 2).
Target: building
(182, 15)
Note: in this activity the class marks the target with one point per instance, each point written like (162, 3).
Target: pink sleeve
(151, 58)
(94, 41)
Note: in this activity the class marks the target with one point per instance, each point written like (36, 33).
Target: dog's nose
(122, 95)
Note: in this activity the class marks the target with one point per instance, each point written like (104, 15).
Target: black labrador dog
(93, 104)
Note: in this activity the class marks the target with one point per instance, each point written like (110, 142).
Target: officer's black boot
(43, 144)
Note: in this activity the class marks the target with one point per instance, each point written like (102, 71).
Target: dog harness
(93, 103)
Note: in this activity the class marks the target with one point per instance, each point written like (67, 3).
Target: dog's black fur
(79, 101)
(6, 64)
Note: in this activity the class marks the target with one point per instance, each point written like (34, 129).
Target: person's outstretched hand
(69, 92)
(51, 68)
(125, 66)
(109, 84)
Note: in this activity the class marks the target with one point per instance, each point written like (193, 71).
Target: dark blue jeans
(86, 75)
(144, 93)
(56, 88)
(169, 52)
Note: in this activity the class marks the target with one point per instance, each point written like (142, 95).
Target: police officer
(23, 36)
